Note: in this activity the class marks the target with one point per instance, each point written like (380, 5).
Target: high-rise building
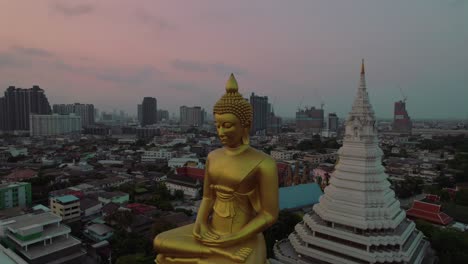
(50, 125)
(332, 122)
(274, 123)
(310, 120)
(192, 116)
(261, 111)
(85, 111)
(401, 120)
(163, 115)
(149, 111)
(18, 104)
(15, 194)
(358, 219)
(140, 113)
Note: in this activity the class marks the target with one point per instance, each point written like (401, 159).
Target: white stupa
(358, 219)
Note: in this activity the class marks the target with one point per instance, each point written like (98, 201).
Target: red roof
(139, 208)
(429, 212)
(191, 172)
(21, 174)
(433, 197)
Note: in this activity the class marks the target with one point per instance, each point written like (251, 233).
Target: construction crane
(403, 94)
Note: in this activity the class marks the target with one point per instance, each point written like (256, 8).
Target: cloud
(218, 67)
(72, 10)
(191, 66)
(32, 51)
(152, 20)
(117, 75)
(8, 60)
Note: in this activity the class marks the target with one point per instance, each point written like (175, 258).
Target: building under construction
(310, 120)
(401, 120)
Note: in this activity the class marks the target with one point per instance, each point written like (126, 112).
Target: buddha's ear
(246, 135)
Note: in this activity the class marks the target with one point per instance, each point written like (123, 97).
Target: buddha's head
(233, 116)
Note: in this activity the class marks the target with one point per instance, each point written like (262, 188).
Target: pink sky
(113, 53)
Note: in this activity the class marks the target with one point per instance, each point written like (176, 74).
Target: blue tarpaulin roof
(298, 196)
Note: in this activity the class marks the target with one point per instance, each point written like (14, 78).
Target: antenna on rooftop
(402, 94)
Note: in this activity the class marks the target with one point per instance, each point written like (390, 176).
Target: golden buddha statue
(240, 196)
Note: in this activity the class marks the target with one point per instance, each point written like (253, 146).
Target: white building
(283, 154)
(358, 219)
(190, 186)
(50, 125)
(152, 156)
(41, 238)
(180, 162)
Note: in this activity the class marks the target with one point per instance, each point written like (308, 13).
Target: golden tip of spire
(231, 84)
(362, 67)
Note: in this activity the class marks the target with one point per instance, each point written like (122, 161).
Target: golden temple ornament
(240, 196)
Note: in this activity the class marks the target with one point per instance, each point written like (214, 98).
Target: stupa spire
(362, 67)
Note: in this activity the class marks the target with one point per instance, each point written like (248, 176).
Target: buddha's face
(230, 129)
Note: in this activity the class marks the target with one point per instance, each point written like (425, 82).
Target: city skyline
(110, 55)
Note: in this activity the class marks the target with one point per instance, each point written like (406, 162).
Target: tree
(179, 194)
(135, 259)
(461, 197)
(281, 229)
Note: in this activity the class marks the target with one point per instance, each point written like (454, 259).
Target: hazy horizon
(112, 54)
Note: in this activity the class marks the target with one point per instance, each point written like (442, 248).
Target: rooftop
(100, 229)
(27, 220)
(59, 243)
(299, 196)
(67, 199)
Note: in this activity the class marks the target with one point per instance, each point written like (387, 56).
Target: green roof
(299, 196)
(67, 198)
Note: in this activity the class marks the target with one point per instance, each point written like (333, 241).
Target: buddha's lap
(180, 241)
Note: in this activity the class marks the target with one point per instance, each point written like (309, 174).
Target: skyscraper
(192, 116)
(85, 111)
(163, 115)
(18, 104)
(358, 219)
(332, 122)
(140, 113)
(260, 113)
(401, 120)
(148, 111)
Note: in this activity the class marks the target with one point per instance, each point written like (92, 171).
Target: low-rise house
(20, 175)
(90, 208)
(67, 207)
(41, 238)
(181, 162)
(98, 232)
(113, 197)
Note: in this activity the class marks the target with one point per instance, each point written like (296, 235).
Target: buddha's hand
(202, 232)
(221, 241)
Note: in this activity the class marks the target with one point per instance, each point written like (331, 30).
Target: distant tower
(149, 111)
(332, 122)
(18, 104)
(140, 113)
(260, 107)
(401, 120)
(310, 120)
(358, 219)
